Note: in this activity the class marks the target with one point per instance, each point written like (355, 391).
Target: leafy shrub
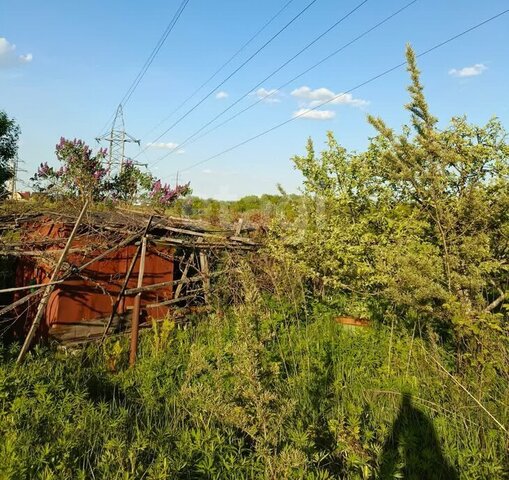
(416, 226)
(84, 174)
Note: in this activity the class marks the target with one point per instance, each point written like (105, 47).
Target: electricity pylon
(117, 137)
(14, 179)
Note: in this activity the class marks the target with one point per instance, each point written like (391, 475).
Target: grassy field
(261, 390)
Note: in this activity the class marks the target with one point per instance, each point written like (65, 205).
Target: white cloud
(472, 71)
(167, 146)
(181, 151)
(26, 58)
(207, 170)
(312, 98)
(314, 114)
(222, 95)
(267, 96)
(8, 55)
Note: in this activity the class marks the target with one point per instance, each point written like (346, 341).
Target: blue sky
(64, 67)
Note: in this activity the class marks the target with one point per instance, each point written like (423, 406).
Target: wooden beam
(174, 300)
(155, 286)
(136, 309)
(29, 287)
(227, 244)
(185, 231)
(184, 275)
(122, 244)
(204, 267)
(47, 290)
(19, 302)
(39, 253)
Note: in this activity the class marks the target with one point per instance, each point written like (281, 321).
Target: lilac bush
(83, 173)
(164, 194)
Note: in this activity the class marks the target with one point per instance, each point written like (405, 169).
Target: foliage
(83, 174)
(416, 225)
(9, 136)
(254, 209)
(268, 389)
(164, 194)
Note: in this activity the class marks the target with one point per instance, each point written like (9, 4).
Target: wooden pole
(126, 281)
(136, 309)
(28, 287)
(47, 290)
(184, 276)
(19, 302)
(157, 286)
(204, 267)
(175, 300)
(238, 228)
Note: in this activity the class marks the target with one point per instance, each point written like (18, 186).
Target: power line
(370, 80)
(222, 67)
(300, 52)
(309, 5)
(150, 59)
(312, 67)
(154, 53)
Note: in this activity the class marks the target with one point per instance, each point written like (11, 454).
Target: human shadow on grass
(413, 449)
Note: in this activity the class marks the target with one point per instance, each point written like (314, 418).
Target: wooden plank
(29, 287)
(238, 228)
(204, 267)
(247, 241)
(39, 253)
(155, 286)
(174, 300)
(47, 290)
(177, 242)
(19, 302)
(189, 232)
(136, 309)
(122, 244)
(70, 341)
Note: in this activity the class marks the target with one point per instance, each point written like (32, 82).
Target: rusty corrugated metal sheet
(80, 302)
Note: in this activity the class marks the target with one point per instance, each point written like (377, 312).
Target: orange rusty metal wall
(81, 299)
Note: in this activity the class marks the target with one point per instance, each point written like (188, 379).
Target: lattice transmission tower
(14, 179)
(117, 137)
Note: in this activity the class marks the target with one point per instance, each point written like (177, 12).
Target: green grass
(259, 391)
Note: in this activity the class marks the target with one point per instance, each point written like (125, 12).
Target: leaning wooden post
(126, 281)
(184, 276)
(238, 228)
(47, 290)
(204, 267)
(135, 322)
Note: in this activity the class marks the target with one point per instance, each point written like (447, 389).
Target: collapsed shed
(96, 289)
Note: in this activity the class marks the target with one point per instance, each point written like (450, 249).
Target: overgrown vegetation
(83, 175)
(415, 228)
(271, 388)
(411, 234)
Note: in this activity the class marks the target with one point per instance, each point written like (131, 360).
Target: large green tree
(9, 136)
